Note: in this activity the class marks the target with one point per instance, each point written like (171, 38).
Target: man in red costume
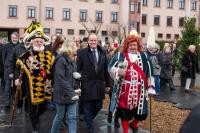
(130, 70)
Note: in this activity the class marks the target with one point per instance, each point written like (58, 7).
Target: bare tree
(92, 26)
(118, 32)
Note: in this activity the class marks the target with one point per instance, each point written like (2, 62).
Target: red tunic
(132, 88)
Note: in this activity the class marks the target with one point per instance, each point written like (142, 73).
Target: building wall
(21, 21)
(163, 11)
(135, 16)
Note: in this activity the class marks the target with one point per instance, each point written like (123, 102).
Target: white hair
(191, 47)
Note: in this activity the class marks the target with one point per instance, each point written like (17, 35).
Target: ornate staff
(18, 95)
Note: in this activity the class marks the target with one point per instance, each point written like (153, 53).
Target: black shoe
(116, 123)
(6, 107)
(134, 130)
(172, 89)
(188, 91)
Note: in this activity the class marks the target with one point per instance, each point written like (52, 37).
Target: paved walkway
(22, 123)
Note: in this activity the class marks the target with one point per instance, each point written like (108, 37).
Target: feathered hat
(35, 30)
(151, 43)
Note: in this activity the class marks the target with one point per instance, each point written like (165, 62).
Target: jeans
(8, 92)
(91, 108)
(157, 83)
(71, 112)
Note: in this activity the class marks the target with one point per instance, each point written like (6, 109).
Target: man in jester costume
(130, 70)
(36, 80)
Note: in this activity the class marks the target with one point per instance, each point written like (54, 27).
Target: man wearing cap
(36, 78)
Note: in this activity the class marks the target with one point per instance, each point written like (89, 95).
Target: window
(156, 19)
(169, 3)
(160, 35)
(114, 33)
(181, 4)
(99, 0)
(132, 7)
(114, 1)
(114, 16)
(99, 16)
(132, 24)
(168, 36)
(81, 32)
(156, 3)
(104, 33)
(47, 30)
(83, 15)
(31, 12)
(12, 11)
(143, 34)
(49, 13)
(169, 20)
(70, 31)
(194, 5)
(144, 18)
(58, 31)
(181, 21)
(176, 36)
(66, 14)
(93, 31)
(144, 2)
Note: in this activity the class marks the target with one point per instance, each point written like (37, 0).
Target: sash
(138, 69)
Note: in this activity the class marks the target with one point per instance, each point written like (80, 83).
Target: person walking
(190, 63)
(66, 89)
(130, 70)
(92, 63)
(8, 67)
(166, 68)
(36, 64)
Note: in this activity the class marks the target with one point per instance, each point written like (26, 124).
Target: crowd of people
(73, 76)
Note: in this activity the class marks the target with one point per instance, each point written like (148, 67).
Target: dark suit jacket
(93, 82)
(1, 61)
(7, 58)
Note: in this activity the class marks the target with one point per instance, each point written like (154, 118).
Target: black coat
(7, 59)
(190, 61)
(64, 83)
(1, 61)
(18, 51)
(93, 82)
(166, 66)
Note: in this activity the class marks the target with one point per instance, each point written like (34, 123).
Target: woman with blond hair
(166, 68)
(190, 65)
(65, 93)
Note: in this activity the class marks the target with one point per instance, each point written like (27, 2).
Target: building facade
(167, 17)
(107, 17)
(68, 17)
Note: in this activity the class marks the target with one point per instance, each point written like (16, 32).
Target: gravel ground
(165, 118)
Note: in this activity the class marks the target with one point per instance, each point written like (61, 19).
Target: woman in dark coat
(166, 68)
(190, 65)
(64, 94)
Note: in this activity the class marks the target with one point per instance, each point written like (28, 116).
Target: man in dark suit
(1, 66)
(92, 64)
